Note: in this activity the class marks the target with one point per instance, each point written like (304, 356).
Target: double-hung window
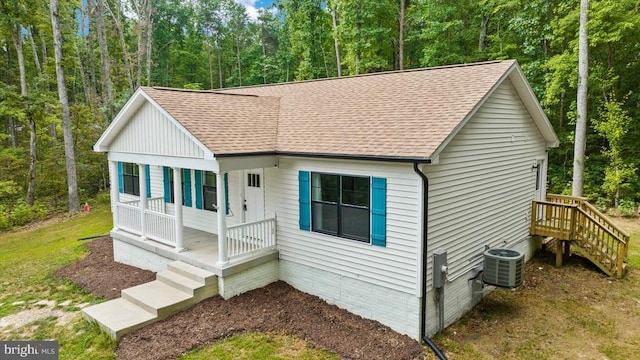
(209, 191)
(131, 179)
(340, 205)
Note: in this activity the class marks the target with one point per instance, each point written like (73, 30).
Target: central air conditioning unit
(503, 268)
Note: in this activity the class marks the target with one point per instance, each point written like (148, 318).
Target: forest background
(110, 47)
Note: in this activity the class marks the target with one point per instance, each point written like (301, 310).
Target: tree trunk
(264, 54)
(336, 41)
(72, 182)
(219, 52)
(238, 59)
(403, 5)
(482, 39)
(34, 49)
(105, 61)
(149, 41)
(581, 122)
(17, 42)
(92, 57)
(117, 20)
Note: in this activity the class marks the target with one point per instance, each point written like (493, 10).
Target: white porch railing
(128, 217)
(246, 238)
(154, 204)
(160, 227)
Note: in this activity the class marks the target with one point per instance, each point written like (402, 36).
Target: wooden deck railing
(574, 219)
(246, 238)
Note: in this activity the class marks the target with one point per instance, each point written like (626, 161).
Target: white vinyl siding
(151, 132)
(201, 219)
(393, 266)
(480, 193)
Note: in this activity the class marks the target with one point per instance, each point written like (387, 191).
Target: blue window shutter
(186, 185)
(304, 199)
(226, 193)
(198, 182)
(167, 184)
(147, 176)
(379, 211)
(120, 177)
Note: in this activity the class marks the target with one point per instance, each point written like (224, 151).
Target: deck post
(177, 204)
(115, 192)
(142, 179)
(559, 252)
(223, 256)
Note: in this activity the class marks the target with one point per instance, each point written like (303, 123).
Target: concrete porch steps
(175, 289)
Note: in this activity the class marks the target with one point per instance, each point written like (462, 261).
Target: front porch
(191, 215)
(200, 248)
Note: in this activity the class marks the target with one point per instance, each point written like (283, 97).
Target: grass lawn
(28, 291)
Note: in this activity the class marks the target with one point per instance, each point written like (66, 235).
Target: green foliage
(627, 207)
(23, 214)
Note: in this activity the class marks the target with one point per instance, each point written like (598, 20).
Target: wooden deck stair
(590, 233)
(177, 288)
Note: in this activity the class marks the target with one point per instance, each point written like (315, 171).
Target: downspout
(423, 302)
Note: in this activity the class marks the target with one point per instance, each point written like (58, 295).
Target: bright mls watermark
(31, 350)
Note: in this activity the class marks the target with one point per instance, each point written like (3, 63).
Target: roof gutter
(423, 160)
(423, 302)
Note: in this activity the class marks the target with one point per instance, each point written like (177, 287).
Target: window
(253, 180)
(131, 179)
(209, 191)
(169, 174)
(340, 205)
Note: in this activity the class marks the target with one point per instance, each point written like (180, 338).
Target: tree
(69, 151)
(581, 123)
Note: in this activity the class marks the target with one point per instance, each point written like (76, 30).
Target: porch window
(340, 205)
(209, 191)
(130, 179)
(186, 199)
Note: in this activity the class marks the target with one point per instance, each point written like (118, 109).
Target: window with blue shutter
(379, 211)
(120, 177)
(304, 200)
(199, 189)
(186, 187)
(147, 173)
(226, 193)
(352, 207)
(166, 178)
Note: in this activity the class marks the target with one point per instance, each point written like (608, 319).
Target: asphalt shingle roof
(404, 114)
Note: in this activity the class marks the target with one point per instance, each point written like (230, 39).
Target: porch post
(115, 192)
(223, 257)
(142, 179)
(177, 204)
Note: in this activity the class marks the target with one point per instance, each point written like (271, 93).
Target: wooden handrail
(573, 218)
(604, 218)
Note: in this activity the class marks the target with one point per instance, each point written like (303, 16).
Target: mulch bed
(100, 275)
(277, 308)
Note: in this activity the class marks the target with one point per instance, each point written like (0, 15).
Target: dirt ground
(573, 312)
(275, 308)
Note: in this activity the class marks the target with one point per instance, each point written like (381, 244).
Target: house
(344, 188)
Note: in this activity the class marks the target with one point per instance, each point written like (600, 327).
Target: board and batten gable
(378, 282)
(480, 194)
(150, 131)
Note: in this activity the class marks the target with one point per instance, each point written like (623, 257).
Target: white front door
(253, 195)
